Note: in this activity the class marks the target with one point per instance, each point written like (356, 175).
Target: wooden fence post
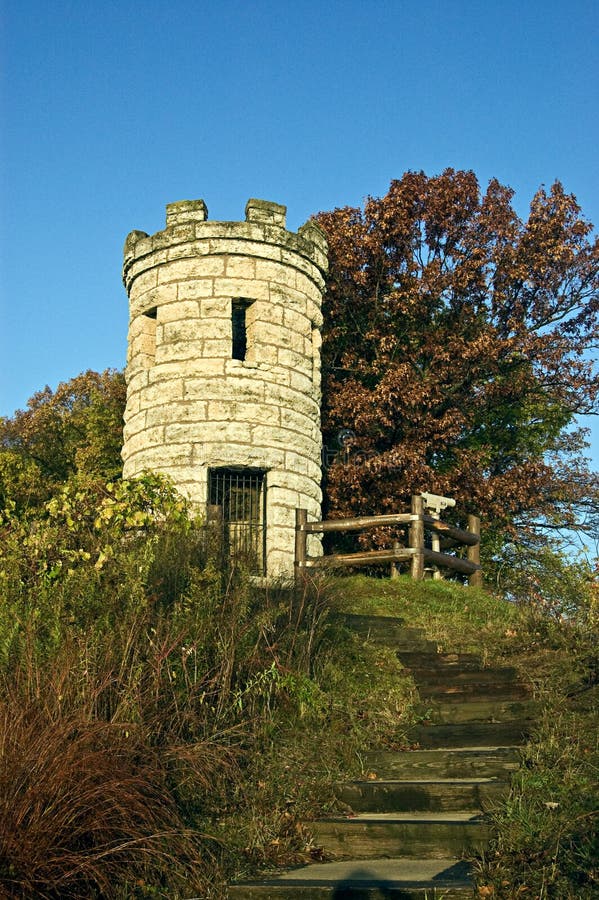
(417, 537)
(394, 573)
(473, 552)
(301, 538)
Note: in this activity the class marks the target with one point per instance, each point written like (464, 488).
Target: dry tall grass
(84, 807)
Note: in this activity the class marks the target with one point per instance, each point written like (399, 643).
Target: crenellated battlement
(266, 213)
(189, 232)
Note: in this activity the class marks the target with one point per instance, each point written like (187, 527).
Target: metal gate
(237, 498)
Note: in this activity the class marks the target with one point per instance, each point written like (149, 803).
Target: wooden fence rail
(416, 553)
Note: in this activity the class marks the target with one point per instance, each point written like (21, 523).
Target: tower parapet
(223, 369)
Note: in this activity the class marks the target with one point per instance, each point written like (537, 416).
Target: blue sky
(111, 110)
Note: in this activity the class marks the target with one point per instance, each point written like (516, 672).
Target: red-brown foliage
(83, 807)
(457, 349)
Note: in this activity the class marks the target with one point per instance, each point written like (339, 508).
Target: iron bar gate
(239, 496)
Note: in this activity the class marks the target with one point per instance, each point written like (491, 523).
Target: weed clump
(547, 841)
(81, 803)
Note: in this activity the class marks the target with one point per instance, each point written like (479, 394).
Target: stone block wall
(191, 406)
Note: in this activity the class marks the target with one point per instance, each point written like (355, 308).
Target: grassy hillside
(547, 843)
(165, 728)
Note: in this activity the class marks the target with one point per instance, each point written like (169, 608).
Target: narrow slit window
(148, 336)
(239, 328)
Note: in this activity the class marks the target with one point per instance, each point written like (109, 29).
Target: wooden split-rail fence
(416, 553)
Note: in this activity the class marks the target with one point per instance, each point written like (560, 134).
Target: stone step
(473, 710)
(373, 879)
(389, 631)
(459, 762)
(430, 796)
(441, 662)
(463, 693)
(409, 834)
(471, 734)
(358, 619)
(458, 675)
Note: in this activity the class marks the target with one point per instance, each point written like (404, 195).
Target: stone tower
(223, 370)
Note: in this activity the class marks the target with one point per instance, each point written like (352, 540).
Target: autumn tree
(72, 432)
(458, 351)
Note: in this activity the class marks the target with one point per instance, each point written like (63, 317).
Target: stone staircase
(412, 821)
